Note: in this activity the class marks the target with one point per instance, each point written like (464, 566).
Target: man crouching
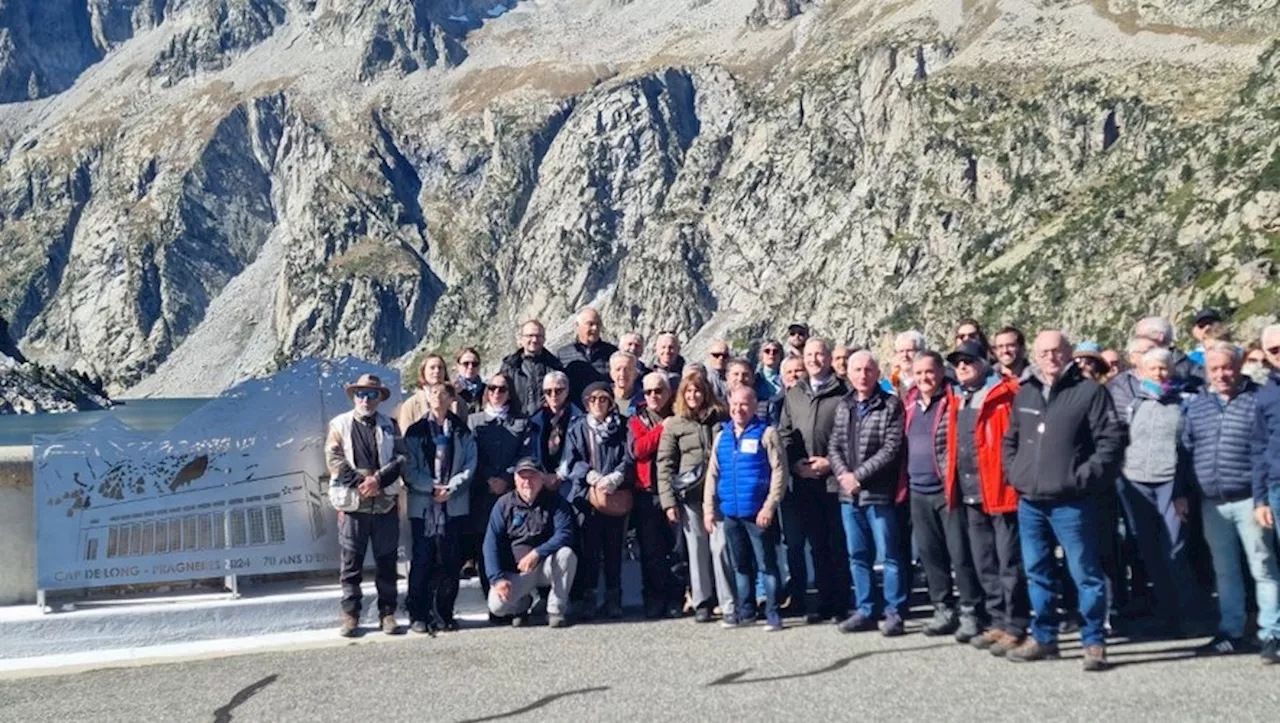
(527, 546)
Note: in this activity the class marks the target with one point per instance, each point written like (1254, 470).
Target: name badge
(1040, 428)
(750, 446)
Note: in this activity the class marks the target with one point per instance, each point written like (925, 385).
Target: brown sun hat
(369, 381)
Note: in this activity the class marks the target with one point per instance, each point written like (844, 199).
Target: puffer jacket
(685, 444)
(873, 448)
(746, 473)
(1218, 438)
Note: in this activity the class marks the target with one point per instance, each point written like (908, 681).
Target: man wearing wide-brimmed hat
(365, 454)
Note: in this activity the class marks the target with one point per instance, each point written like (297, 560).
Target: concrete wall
(17, 527)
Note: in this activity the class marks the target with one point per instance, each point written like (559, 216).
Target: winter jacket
(515, 527)
(1218, 438)
(685, 444)
(420, 474)
(538, 436)
(872, 447)
(584, 365)
(768, 383)
(499, 444)
(674, 373)
(1266, 439)
(1153, 454)
(998, 497)
(807, 420)
(644, 431)
(526, 373)
(340, 460)
(911, 407)
(745, 473)
(1066, 447)
(589, 452)
(470, 396)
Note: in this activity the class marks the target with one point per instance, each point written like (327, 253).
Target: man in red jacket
(975, 483)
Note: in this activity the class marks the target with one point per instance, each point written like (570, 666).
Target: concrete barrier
(17, 527)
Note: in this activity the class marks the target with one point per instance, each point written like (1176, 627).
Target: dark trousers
(602, 538)
(942, 537)
(356, 532)
(481, 505)
(797, 583)
(755, 552)
(997, 560)
(656, 539)
(1162, 544)
(818, 512)
(434, 568)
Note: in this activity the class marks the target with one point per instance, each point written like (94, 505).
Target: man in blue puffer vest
(746, 478)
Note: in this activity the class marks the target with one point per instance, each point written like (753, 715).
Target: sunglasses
(498, 388)
(555, 390)
(965, 361)
(367, 394)
(470, 363)
(598, 399)
(719, 354)
(649, 392)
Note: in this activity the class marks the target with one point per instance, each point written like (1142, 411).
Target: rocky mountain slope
(192, 191)
(27, 387)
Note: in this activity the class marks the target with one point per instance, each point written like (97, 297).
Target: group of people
(749, 483)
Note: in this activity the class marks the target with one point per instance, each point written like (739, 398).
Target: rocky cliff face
(231, 184)
(27, 387)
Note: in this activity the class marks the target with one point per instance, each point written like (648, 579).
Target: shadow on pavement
(539, 703)
(736, 678)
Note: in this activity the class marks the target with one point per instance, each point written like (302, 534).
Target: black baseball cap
(527, 464)
(971, 348)
(1207, 316)
(798, 329)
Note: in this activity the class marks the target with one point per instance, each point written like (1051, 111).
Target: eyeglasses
(367, 394)
(650, 392)
(770, 350)
(598, 399)
(498, 388)
(719, 354)
(469, 363)
(555, 391)
(965, 361)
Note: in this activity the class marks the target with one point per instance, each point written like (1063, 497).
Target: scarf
(600, 431)
(473, 387)
(555, 436)
(498, 413)
(1157, 389)
(441, 436)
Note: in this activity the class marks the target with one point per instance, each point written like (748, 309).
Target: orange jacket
(998, 496)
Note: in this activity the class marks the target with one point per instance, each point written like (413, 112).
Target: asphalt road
(674, 669)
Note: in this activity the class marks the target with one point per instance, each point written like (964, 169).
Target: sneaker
(350, 626)
(1005, 643)
(418, 626)
(987, 639)
(733, 620)
(1031, 650)
(1221, 645)
(891, 626)
(1095, 658)
(389, 625)
(702, 615)
(943, 622)
(1271, 651)
(856, 623)
(557, 621)
(772, 623)
(969, 628)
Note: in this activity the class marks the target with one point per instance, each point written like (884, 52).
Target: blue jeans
(754, 551)
(1273, 496)
(1227, 527)
(1073, 523)
(868, 530)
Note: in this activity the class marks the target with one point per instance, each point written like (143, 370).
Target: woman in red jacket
(662, 592)
(975, 482)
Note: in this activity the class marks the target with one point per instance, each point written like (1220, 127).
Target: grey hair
(692, 367)
(1272, 330)
(631, 335)
(666, 335)
(1152, 327)
(554, 376)
(862, 354)
(1135, 343)
(818, 340)
(621, 354)
(658, 377)
(1222, 347)
(916, 338)
(1158, 354)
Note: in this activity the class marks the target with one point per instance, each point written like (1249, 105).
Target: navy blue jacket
(1266, 439)
(612, 454)
(1218, 437)
(516, 527)
(585, 365)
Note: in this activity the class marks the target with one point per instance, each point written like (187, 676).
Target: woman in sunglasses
(549, 426)
(971, 330)
(468, 382)
(501, 433)
(662, 592)
(596, 456)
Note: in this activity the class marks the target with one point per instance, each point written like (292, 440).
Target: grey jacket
(1154, 454)
(807, 421)
(419, 474)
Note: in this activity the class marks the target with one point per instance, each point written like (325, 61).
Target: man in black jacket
(808, 417)
(586, 360)
(1064, 442)
(527, 366)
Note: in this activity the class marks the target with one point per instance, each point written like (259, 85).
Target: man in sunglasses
(527, 367)
(365, 456)
(718, 369)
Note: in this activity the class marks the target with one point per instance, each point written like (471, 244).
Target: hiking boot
(1095, 658)
(1005, 643)
(1271, 651)
(856, 623)
(702, 615)
(943, 622)
(1221, 645)
(1032, 650)
(891, 626)
(970, 627)
(557, 621)
(350, 626)
(418, 626)
(987, 639)
(389, 625)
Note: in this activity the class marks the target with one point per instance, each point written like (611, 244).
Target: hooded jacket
(1064, 446)
(998, 496)
(807, 420)
(526, 373)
